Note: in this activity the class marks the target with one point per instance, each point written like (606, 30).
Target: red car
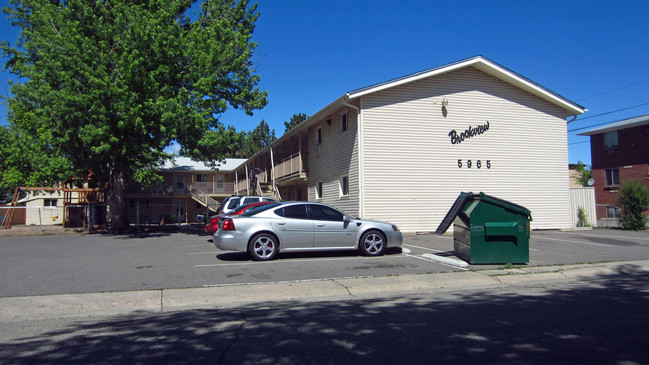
(212, 226)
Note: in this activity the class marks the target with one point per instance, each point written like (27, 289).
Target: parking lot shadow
(602, 321)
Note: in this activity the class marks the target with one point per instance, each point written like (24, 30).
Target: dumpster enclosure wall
(415, 165)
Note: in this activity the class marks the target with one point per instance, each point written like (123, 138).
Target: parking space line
(571, 241)
(423, 248)
(622, 237)
(205, 253)
(201, 245)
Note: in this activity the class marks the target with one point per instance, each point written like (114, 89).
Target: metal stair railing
(203, 198)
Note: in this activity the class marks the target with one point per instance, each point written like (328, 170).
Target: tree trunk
(117, 201)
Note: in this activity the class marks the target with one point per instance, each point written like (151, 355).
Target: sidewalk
(79, 305)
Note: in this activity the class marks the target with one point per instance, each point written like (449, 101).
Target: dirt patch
(23, 230)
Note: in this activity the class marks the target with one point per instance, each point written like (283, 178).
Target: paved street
(600, 319)
(325, 308)
(88, 263)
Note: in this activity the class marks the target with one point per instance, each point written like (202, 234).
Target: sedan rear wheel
(263, 247)
(372, 244)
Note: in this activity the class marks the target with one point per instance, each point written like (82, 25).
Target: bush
(634, 199)
(582, 218)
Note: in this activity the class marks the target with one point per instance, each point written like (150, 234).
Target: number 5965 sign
(469, 164)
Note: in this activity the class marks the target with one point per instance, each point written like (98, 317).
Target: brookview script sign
(457, 138)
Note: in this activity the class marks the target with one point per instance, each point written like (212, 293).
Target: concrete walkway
(79, 305)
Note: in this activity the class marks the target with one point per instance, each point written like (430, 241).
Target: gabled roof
(487, 66)
(187, 164)
(621, 124)
(480, 62)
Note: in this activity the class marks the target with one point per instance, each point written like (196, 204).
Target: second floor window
(610, 140)
(612, 177)
(201, 177)
(343, 122)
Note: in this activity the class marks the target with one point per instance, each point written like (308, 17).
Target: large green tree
(112, 83)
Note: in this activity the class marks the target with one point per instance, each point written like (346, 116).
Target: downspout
(272, 169)
(359, 124)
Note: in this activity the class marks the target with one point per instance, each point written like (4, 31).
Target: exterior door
(180, 210)
(330, 228)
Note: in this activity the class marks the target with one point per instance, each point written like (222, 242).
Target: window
(180, 182)
(344, 185)
(318, 190)
(324, 213)
(612, 177)
(343, 122)
(613, 212)
(293, 211)
(131, 204)
(318, 140)
(610, 140)
(201, 177)
(50, 203)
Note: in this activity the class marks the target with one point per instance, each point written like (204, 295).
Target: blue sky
(311, 52)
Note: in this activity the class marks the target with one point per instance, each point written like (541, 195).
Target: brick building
(619, 152)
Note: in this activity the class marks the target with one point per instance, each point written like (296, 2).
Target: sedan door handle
(320, 225)
(281, 223)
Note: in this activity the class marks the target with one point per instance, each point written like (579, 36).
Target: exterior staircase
(204, 199)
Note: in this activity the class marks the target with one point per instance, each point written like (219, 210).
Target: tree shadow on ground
(602, 321)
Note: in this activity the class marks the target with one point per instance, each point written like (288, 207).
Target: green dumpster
(488, 230)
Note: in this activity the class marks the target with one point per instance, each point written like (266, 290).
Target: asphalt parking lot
(88, 263)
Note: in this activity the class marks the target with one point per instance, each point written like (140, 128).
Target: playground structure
(82, 207)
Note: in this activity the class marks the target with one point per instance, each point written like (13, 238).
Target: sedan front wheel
(263, 247)
(372, 244)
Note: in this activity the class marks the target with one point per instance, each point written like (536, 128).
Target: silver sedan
(303, 226)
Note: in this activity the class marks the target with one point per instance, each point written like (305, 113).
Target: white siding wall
(48, 215)
(411, 173)
(337, 155)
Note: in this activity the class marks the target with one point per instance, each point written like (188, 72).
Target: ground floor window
(613, 212)
(344, 185)
(318, 190)
(50, 203)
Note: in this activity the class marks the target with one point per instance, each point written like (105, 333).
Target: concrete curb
(79, 305)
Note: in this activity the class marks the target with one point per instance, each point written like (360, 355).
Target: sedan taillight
(214, 220)
(228, 225)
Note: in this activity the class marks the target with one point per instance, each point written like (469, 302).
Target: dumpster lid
(506, 204)
(461, 200)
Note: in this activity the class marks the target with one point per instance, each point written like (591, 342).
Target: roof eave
(489, 67)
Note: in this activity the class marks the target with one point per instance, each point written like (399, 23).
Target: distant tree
(584, 174)
(295, 120)
(633, 196)
(108, 85)
(259, 138)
